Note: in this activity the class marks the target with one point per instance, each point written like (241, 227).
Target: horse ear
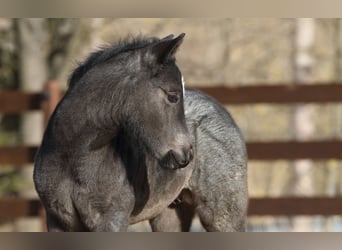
(169, 37)
(167, 47)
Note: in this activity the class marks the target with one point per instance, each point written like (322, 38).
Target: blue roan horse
(126, 144)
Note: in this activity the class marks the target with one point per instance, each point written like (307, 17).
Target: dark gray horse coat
(217, 189)
(118, 149)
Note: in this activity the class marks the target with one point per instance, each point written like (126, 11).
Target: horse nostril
(183, 157)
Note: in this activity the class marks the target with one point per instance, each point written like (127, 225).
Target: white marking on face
(183, 85)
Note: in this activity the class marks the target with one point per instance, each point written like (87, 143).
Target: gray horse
(217, 189)
(126, 144)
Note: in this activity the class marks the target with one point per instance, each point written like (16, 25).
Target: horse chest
(163, 188)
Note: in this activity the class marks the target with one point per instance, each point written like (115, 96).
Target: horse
(128, 143)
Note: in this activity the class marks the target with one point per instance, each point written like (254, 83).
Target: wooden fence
(18, 102)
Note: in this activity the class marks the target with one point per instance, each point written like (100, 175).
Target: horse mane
(105, 53)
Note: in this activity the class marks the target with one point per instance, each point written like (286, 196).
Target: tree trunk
(33, 51)
(302, 123)
(333, 166)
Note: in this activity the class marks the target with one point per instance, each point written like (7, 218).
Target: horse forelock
(105, 53)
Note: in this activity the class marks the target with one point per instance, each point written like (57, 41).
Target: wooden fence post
(50, 97)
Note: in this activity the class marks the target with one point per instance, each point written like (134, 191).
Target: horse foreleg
(174, 219)
(99, 215)
(53, 225)
(223, 210)
(112, 222)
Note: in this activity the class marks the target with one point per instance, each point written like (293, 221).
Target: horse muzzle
(175, 159)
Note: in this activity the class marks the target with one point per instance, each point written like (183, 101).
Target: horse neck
(80, 119)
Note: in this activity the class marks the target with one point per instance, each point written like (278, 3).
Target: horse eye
(173, 98)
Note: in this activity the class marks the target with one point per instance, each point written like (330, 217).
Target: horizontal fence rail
(11, 208)
(316, 150)
(18, 102)
(291, 206)
(17, 154)
(277, 94)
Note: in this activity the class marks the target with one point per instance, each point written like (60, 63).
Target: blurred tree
(33, 51)
(8, 78)
(33, 48)
(302, 123)
(8, 55)
(42, 49)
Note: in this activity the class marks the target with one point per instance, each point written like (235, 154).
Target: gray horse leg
(221, 221)
(112, 222)
(177, 218)
(98, 215)
(167, 221)
(114, 219)
(53, 225)
(223, 210)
